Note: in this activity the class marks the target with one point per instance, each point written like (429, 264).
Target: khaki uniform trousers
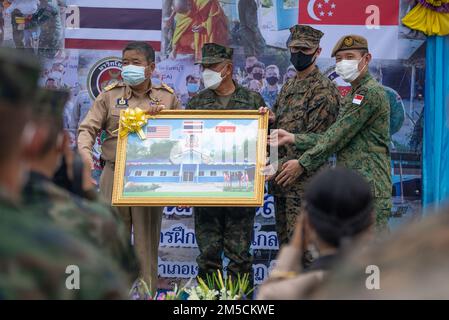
(146, 223)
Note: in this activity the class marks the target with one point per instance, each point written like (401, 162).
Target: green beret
(304, 36)
(19, 74)
(350, 42)
(214, 53)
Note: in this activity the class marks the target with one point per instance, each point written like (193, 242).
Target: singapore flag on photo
(376, 20)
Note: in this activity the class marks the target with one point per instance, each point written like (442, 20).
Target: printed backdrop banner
(80, 42)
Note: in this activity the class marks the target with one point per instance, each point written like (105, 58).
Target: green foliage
(157, 150)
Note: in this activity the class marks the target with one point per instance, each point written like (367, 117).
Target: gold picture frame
(178, 165)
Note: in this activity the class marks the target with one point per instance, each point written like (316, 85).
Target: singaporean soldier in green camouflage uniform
(225, 230)
(93, 221)
(361, 134)
(307, 103)
(34, 253)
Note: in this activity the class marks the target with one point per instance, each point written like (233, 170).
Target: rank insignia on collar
(122, 103)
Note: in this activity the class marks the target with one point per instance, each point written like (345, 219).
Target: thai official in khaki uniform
(136, 90)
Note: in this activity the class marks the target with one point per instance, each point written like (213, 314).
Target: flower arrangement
(140, 291)
(215, 288)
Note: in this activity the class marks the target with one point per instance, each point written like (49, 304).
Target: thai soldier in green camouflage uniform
(224, 230)
(307, 103)
(360, 136)
(93, 220)
(34, 253)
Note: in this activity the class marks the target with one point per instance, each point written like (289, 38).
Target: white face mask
(212, 79)
(348, 70)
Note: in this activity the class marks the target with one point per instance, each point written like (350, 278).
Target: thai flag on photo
(376, 20)
(111, 24)
(193, 126)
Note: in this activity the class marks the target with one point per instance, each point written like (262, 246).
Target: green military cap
(19, 74)
(350, 42)
(49, 104)
(214, 53)
(304, 36)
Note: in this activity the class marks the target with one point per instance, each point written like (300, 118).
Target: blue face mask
(133, 75)
(193, 87)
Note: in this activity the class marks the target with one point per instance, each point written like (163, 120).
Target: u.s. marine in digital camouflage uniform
(225, 230)
(34, 252)
(360, 137)
(93, 221)
(305, 104)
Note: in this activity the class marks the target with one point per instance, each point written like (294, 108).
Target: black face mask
(249, 69)
(302, 61)
(257, 76)
(272, 80)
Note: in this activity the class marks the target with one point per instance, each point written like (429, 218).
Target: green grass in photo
(189, 194)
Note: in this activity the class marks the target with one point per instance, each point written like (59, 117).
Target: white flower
(192, 294)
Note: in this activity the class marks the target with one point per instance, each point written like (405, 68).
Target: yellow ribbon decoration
(132, 121)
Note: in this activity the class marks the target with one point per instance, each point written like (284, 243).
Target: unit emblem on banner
(104, 73)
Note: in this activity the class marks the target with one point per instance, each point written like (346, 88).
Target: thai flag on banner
(111, 24)
(194, 126)
(158, 132)
(376, 20)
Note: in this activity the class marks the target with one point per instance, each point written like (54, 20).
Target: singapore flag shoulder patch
(358, 98)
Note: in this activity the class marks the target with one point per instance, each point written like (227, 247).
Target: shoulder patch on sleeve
(166, 87)
(358, 98)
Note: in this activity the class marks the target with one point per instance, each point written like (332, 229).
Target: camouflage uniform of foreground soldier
(223, 229)
(35, 253)
(361, 134)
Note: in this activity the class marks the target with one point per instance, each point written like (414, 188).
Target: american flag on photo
(194, 126)
(158, 132)
(111, 24)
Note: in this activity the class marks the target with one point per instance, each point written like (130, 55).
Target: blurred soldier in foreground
(411, 264)
(34, 253)
(338, 213)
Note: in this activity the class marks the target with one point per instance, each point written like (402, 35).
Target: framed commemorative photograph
(190, 158)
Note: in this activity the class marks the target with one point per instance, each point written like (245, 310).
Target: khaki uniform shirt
(105, 114)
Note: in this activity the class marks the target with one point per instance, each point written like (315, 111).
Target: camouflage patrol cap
(350, 42)
(214, 53)
(50, 104)
(304, 36)
(19, 73)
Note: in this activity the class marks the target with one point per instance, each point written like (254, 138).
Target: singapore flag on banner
(376, 20)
